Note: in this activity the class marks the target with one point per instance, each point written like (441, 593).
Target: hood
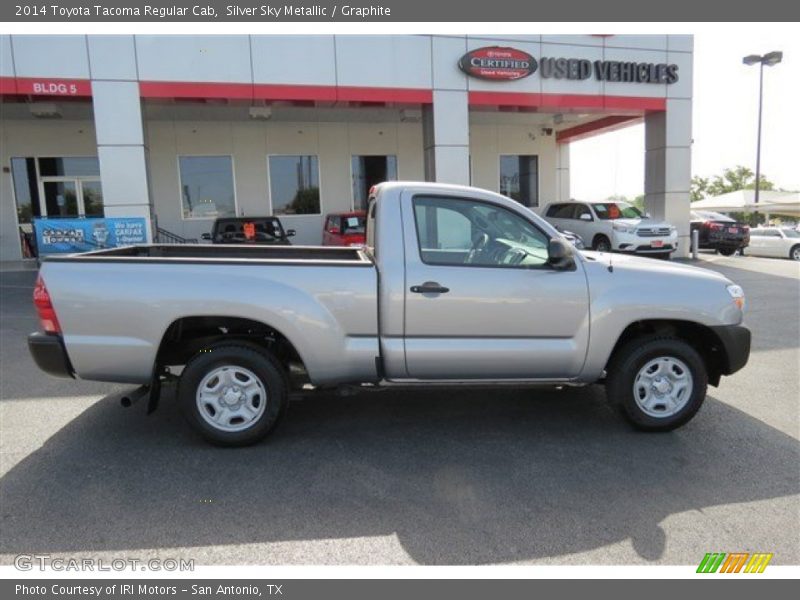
(642, 222)
(652, 266)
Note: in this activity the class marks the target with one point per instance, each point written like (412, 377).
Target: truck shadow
(467, 477)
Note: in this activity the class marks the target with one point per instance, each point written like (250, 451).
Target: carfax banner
(62, 236)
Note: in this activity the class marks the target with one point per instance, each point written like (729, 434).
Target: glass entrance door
(368, 171)
(71, 197)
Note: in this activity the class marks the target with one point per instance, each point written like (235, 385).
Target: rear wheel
(727, 251)
(233, 395)
(659, 383)
(794, 253)
(601, 244)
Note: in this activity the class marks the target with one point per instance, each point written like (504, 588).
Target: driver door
(481, 301)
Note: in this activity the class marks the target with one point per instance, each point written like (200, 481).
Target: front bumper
(636, 244)
(50, 355)
(735, 341)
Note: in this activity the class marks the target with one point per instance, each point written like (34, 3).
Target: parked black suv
(719, 232)
(249, 230)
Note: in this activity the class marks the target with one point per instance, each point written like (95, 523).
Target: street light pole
(758, 136)
(770, 59)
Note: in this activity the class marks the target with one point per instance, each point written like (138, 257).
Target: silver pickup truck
(456, 286)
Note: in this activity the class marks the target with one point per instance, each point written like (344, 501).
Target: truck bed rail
(216, 253)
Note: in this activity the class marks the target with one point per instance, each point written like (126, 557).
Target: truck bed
(208, 253)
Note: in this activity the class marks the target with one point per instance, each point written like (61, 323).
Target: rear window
(237, 230)
(355, 224)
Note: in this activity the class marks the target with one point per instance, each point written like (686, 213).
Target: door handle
(429, 287)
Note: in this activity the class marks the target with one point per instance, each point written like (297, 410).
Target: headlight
(737, 293)
(621, 227)
(672, 229)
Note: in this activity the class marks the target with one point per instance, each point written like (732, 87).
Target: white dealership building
(179, 130)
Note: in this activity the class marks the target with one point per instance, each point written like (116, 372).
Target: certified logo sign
(494, 62)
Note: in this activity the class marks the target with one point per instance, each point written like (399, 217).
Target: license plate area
(657, 244)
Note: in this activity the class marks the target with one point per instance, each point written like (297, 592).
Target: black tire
(727, 251)
(633, 356)
(601, 243)
(259, 362)
(794, 253)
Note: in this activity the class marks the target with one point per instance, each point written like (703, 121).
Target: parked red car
(345, 229)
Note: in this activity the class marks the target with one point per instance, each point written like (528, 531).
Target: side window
(561, 211)
(582, 209)
(455, 231)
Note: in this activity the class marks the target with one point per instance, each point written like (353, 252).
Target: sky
(724, 122)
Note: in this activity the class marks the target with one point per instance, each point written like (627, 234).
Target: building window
(369, 171)
(207, 189)
(26, 189)
(294, 185)
(519, 178)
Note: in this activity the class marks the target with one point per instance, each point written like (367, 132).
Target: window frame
(233, 181)
(543, 266)
(321, 212)
(500, 174)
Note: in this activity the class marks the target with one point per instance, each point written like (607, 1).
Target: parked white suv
(614, 226)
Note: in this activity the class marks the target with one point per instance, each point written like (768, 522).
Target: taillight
(715, 226)
(44, 307)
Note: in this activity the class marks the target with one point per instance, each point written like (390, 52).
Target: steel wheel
(231, 398)
(663, 386)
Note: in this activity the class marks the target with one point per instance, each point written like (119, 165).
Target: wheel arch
(701, 337)
(188, 335)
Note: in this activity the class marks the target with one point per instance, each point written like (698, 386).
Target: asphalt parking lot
(480, 477)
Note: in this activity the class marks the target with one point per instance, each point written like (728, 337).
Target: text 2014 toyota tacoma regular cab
(455, 286)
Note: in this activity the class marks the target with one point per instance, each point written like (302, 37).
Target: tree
(731, 180)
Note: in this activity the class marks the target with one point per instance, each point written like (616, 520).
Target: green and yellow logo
(734, 562)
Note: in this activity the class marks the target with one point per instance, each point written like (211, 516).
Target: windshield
(616, 210)
(791, 233)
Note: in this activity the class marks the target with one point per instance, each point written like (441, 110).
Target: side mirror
(206, 236)
(585, 217)
(560, 255)
(291, 233)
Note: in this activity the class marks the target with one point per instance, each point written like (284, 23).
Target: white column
(445, 127)
(121, 145)
(562, 172)
(668, 167)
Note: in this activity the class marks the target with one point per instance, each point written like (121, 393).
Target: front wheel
(659, 382)
(601, 244)
(233, 395)
(794, 253)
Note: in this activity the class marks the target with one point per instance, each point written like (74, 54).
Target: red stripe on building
(575, 101)
(389, 95)
(322, 93)
(185, 89)
(604, 125)
(45, 86)
(8, 85)
(259, 91)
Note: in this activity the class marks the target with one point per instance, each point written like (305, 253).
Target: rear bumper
(50, 355)
(735, 341)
